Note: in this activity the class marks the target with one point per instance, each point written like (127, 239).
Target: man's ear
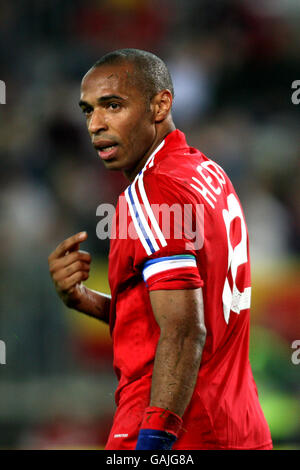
(162, 104)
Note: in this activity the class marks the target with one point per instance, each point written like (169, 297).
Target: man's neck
(131, 173)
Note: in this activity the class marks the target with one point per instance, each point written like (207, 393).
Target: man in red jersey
(180, 292)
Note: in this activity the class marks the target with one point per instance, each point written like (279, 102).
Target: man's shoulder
(179, 172)
(173, 164)
(166, 182)
(175, 169)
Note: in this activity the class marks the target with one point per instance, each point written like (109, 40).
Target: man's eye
(113, 105)
(87, 111)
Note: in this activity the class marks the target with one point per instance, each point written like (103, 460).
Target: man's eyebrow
(102, 99)
(109, 97)
(83, 103)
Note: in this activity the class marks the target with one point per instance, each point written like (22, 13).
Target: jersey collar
(174, 140)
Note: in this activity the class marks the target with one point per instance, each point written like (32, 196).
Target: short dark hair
(152, 74)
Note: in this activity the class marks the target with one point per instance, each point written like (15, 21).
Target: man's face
(119, 121)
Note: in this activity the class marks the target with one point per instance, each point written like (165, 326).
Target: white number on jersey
(233, 299)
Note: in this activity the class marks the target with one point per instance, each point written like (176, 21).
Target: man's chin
(112, 164)
(117, 165)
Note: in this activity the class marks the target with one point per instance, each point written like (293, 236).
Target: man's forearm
(94, 304)
(175, 371)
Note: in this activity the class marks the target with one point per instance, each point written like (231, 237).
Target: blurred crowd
(233, 63)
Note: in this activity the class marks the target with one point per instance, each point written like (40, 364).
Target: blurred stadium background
(233, 63)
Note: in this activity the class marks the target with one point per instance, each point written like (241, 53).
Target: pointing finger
(70, 244)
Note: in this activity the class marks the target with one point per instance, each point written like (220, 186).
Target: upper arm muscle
(181, 308)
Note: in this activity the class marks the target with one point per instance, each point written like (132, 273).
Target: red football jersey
(180, 225)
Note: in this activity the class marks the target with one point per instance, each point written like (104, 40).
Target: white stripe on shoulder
(150, 211)
(140, 223)
(142, 218)
(151, 159)
(136, 225)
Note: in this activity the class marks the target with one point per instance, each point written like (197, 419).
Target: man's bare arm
(69, 267)
(180, 316)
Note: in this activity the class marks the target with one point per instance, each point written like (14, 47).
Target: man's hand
(68, 267)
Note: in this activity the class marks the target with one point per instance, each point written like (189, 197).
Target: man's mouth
(106, 150)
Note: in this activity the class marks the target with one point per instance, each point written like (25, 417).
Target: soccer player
(180, 285)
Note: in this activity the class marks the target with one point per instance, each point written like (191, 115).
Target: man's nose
(97, 122)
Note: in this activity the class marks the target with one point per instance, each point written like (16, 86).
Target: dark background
(233, 63)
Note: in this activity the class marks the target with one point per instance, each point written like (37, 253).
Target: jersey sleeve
(165, 221)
